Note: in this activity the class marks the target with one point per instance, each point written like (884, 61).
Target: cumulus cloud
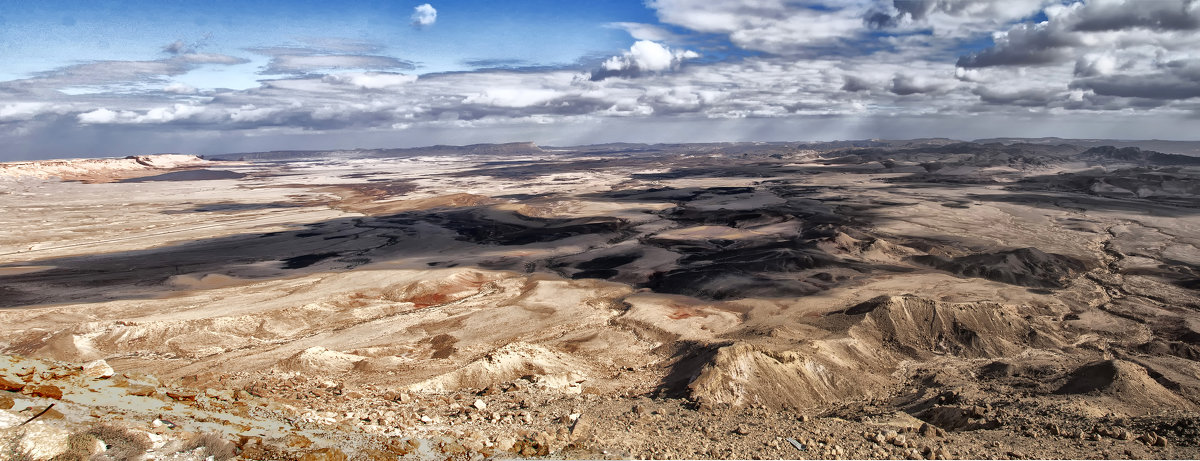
(22, 111)
(905, 84)
(1079, 28)
(770, 59)
(773, 26)
(1028, 97)
(1166, 86)
(512, 97)
(1093, 65)
(1112, 54)
(100, 115)
(854, 83)
(643, 57)
(1163, 15)
(154, 115)
(424, 15)
(951, 17)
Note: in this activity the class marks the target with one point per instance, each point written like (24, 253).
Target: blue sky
(39, 36)
(121, 77)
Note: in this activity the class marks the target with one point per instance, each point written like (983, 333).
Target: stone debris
(98, 369)
(49, 391)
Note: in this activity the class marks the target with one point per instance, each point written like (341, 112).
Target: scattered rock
(582, 427)
(742, 429)
(479, 404)
(219, 394)
(402, 446)
(142, 390)
(6, 402)
(927, 430)
(98, 369)
(490, 390)
(297, 441)
(535, 445)
(977, 412)
(324, 454)
(6, 385)
(182, 396)
(47, 390)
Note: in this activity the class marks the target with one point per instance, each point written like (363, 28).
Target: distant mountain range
(1172, 147)
(1190, 148)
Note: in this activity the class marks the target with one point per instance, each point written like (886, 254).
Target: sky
(103, 78)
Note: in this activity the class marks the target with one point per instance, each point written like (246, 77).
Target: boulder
(6, 385)
(98, 369)
(47, 391)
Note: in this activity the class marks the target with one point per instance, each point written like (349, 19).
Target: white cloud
(370, 80)
(23, 111)
(1091, 65)
(102, 116)
(644, 56)
(250, 113)
(512, 97)
(424, 15)
(959, 18)
(773, 26)
(169, 114)
(179, 88)
(816, 61)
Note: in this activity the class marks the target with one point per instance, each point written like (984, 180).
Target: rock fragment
(324, 454)
(98, 369)
(47, 390)
(142, 390)
(6, 385)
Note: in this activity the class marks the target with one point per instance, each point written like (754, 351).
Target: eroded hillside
(923, 299)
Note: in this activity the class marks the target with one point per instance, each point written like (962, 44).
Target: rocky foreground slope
(924, 300)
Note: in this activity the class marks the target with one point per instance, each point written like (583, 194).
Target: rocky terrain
(921, 299)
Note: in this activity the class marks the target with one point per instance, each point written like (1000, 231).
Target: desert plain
(920, 299)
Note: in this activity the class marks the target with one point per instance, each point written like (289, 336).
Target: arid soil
(921, 299)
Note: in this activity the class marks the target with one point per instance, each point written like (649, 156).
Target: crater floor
(904, 300)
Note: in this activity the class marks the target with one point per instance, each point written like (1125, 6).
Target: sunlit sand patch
(688, 318)
(204, 281)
